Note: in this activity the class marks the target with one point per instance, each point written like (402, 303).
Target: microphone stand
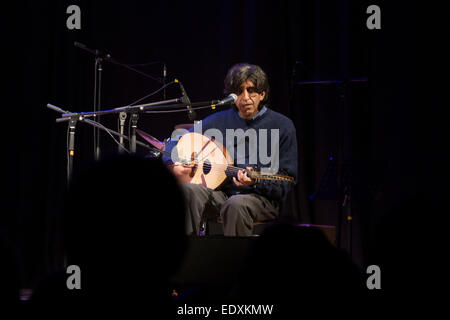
(71, 148)
(73, 117)
(342, 181)
(122, 117)
(164, 79)
(102, 127)
(99, 57)
(134, 120)
(97, 101)
(72, 121)
(147, 107)
(107, 57)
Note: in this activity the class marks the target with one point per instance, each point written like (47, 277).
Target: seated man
(251, 132)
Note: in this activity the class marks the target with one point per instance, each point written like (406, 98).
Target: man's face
(248, 100)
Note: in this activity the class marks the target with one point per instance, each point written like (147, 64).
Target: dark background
(386, 134)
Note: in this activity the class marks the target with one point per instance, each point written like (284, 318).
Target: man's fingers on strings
(236, 182)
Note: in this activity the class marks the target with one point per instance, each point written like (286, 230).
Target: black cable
(108, 131)
(154, 92)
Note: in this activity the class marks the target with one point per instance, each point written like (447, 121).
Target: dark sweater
(287, 146)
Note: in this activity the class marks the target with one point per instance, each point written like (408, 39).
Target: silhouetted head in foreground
(124, 224)
(298, 268)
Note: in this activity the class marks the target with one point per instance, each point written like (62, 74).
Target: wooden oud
(212, 163)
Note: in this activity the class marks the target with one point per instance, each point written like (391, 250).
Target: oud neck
(232, 172)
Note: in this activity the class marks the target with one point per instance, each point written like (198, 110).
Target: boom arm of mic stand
(71, 143)
(107, 57)
(102, 127)
(142, 108)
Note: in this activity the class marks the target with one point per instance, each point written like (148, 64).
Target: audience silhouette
(297, 269)
(124, 229)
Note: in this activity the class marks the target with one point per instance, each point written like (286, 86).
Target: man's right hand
(182, 172)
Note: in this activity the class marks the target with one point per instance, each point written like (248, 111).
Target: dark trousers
(237, 212)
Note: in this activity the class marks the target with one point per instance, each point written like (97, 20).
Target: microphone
(55, 108)
(228, 100)
(96, 52)
(185, 99)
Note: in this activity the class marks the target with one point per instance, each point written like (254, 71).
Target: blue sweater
(245, 146)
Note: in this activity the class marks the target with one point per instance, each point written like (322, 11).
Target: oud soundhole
(206, 167)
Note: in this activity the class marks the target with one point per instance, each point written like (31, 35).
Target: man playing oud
(257, 139)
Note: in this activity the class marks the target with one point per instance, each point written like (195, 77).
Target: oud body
(211, 163)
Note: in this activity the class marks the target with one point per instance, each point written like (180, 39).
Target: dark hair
(239, 73)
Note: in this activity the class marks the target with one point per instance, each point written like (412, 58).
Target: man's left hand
(243, 179)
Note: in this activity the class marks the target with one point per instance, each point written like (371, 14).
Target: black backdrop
(380, 133)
